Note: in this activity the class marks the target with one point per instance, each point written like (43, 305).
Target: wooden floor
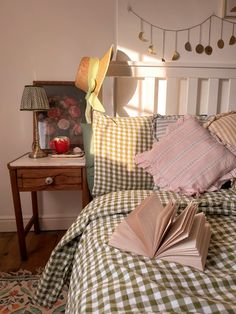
(39, 247)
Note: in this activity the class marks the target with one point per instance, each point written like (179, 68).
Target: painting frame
(65, 116)
(229, 8)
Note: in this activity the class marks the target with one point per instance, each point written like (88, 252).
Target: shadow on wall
(124, 88)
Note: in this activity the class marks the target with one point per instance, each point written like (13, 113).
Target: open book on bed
(154, 231)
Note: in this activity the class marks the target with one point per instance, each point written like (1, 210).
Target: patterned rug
(17, 290)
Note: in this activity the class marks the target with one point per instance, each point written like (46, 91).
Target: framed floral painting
(67, 112)
(229, 8)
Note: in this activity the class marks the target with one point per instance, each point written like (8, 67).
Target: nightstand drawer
(49, 179)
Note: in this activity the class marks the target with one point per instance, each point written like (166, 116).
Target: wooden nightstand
(43, 174)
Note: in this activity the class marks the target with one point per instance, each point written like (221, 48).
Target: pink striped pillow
(187, 159)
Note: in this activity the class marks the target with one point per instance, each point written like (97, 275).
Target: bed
(103, 279)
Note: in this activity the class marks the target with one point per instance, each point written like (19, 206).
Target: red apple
(61, 144)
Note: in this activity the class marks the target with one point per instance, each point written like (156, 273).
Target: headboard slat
(213, 92)
(175, 88)
(172, 93)
(232, 95)
(192, 96)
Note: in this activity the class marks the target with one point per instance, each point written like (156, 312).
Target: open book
(154, 231)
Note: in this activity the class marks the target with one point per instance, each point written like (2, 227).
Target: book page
(180, 228)
(206, 242)
(149, 230)
(163, 224)
(125, 239)
(191, 244)
(151, 206)
(197, 261)
(150, 220)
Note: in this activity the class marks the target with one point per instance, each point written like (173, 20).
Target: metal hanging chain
(180, 29)
(208, 48)
(175, 41)
(176, 55)
(200, 34)
(141, 33)
(151, 47)
(220, 42)
(141, 25)
(163, 46)
(221, 28)
(209, 32)
(199, 48)
(188, 34)
(187, 45)
(151, 36)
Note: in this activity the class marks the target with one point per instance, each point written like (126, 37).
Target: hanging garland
(188, 47)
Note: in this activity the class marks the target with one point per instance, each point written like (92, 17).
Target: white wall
(45, 40)
(175, 15)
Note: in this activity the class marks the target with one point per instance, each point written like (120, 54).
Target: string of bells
(188, 47)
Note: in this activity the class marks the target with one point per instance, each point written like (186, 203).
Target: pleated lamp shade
(34, 98)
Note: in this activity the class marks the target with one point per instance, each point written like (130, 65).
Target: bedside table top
(25, 161)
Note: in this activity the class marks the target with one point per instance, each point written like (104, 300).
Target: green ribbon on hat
(91, 97)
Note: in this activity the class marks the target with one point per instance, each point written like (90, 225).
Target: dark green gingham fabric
(106, 280)
(116, 142)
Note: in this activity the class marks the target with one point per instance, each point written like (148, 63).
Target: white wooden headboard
(141, 88)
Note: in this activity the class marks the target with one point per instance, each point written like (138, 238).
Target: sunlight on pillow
(116, 142)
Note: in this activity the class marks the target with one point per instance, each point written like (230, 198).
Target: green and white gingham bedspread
(106, 280)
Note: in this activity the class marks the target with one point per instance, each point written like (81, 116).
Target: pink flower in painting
(69, 101)
(63, 124)
(63, 119)
(77, 129)
(54, 113)
(74, 111)
(63, 104)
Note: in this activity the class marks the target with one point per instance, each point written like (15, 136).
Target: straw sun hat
(89, 78)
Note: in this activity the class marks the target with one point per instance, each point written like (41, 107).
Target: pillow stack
(188, 159)
(184, 154)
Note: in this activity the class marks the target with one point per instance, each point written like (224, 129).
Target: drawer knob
(49, 180)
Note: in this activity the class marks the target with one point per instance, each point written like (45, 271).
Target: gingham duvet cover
(106, 280)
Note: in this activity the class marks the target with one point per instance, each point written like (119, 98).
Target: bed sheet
(103, 279)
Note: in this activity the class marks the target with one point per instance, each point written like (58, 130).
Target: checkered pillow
(116, 142)
(161, 123)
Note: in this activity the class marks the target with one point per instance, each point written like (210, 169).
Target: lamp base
(37, 153)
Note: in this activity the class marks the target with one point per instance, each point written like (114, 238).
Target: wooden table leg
(18, 214)
(35, 211)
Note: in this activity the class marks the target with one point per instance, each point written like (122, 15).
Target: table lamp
(35, 98)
